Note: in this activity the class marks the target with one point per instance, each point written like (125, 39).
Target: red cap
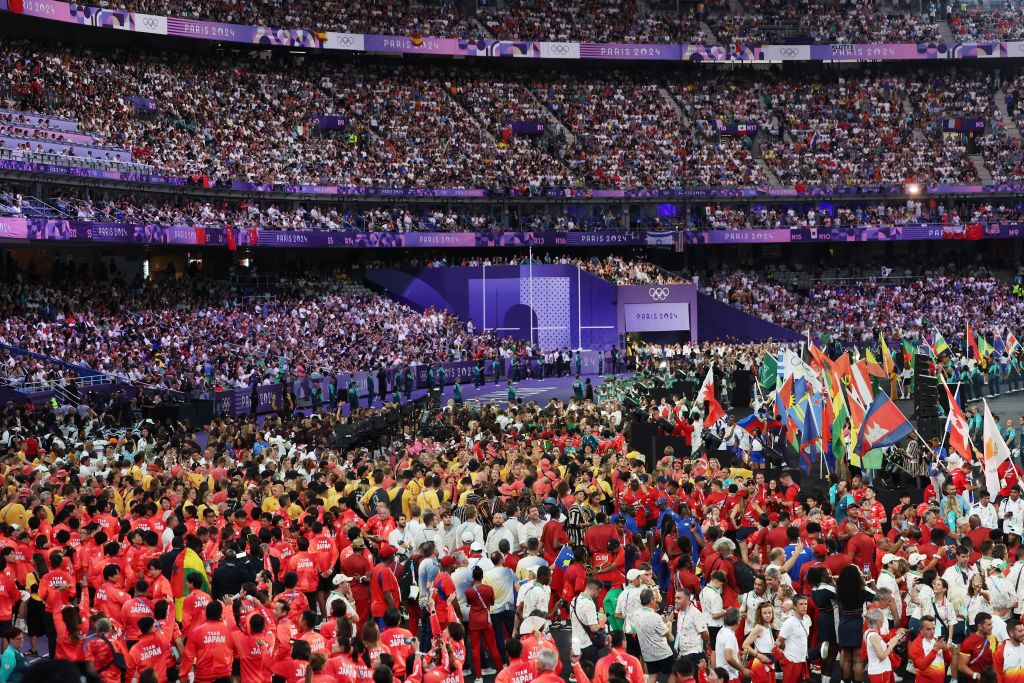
(447, 561)
(773, 516)
(821, 550)
(25, 493)
(27, 470)
(386, 550)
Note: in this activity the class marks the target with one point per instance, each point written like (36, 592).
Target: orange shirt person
(520, 669)
(931, 656)
(68, 625)
(152, 651)
(56, 587)
(634, 668)
(210, 649)
(255, 650)
(101, 650)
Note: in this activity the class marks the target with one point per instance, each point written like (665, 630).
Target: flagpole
(949, 416)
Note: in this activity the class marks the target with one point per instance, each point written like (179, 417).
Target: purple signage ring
(137, 22)
(27, 230)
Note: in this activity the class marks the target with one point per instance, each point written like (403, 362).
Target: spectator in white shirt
(727, 648)
(986, 511)
(712, 606)
(628, 603)
(792, 640)
(585, 622)
(652, 633)
(1011, 512)
(692, 637)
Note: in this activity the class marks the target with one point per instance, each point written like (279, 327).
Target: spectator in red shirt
(384, 593)
(480, 599)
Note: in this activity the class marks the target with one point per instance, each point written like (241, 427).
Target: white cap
(916, 558)
(340, 579)
(477, 546)
(633, 574)
(889, 557)
(467, 536)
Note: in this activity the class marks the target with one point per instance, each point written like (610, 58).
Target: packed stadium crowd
(442, 127)
(187, 333)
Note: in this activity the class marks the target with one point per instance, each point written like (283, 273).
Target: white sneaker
(478, 680)
(824, 655)
(488, 671)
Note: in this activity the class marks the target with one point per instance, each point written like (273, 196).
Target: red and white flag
(956, 425)
(707, 393)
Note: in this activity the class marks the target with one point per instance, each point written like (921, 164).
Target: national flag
(999, 344)
(874, 369)
(300, 131)
(861, 384)
(707, 394)
(178, 565)
(752, 422)
(828, 418)
(984, 347)
(767, 373)
(810, 441)
(956, 425)
(994, 452)
(784, 398)
(1011, 343)
(884, 425)
(840, 416)
(819, 361)
(565, 557)
(797, 414)
(229, 234)
(909, 352)
(972, 344)
(888, 365)
(939, 345)
(843, 369)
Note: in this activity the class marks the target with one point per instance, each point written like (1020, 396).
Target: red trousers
(487, 635)
(794, 672)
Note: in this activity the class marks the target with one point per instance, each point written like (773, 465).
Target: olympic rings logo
(658, 293)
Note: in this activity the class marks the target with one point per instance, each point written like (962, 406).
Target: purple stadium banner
(331, 122)
(137, 22)
(963, 125)
(48, 230)
(526, 126)
(143, 103)
(747, 128)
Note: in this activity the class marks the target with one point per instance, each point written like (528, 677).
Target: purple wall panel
(563, 301)
(721, 321)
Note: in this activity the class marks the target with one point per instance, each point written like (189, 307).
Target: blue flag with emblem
(565, 557)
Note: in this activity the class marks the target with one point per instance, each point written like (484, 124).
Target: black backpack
(744, 574)
(378, 496)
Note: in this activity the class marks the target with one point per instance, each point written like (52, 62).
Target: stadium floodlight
(913, 188)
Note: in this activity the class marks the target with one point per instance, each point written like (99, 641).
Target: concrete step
(979, 166)
(1009, 125)
(945, 33)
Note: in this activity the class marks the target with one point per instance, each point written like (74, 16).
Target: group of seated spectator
(189, 333)
(901, 302)
(447, 127)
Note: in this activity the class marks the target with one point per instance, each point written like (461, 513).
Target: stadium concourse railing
(182, 27)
